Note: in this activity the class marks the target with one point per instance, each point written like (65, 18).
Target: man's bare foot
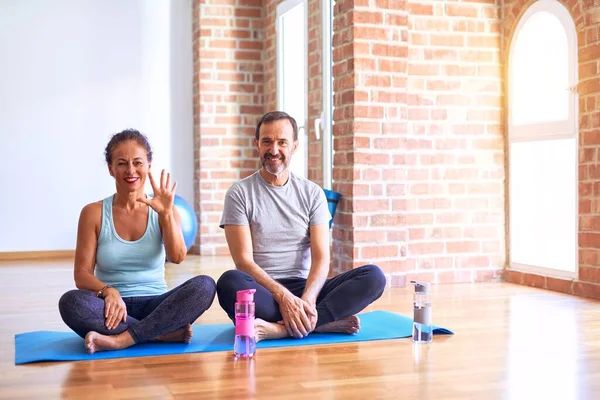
(349, 325)
(96, 342)
(180, 335)
(264, 330)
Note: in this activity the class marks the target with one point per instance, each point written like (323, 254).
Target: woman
(122, 241)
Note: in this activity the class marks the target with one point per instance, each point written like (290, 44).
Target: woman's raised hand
(162, 202)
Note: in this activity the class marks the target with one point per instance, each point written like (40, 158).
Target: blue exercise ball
(189, 224)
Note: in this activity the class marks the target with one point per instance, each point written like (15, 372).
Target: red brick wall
(419, 135)
(585, 16)
(370, 134)
(270, 54)
(418, 139)
(235, 83)
(228, 101)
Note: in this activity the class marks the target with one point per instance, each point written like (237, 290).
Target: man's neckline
(264, 181)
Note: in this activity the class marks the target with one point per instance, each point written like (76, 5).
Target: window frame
(326, 120)
(557, 129)
(282, 8)
(538, 132)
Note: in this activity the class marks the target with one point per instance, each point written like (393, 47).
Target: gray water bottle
(422, 326)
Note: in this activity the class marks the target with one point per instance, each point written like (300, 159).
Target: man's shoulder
(307, 185)
(243, 184)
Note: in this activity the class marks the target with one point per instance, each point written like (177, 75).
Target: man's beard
(281, 168)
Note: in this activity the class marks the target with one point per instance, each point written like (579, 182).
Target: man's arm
(293, 309)
(239, 241)
(319, 268)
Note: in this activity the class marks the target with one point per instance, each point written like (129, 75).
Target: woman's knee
(205, 286)
(70, 301)
(73, 310)
(204, 282)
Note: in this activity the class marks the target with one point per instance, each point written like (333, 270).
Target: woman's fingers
(144, 200)
(152, 182)
(115, 319)
(118, 318)
(109, 318)
(168, 183)
(118, 314)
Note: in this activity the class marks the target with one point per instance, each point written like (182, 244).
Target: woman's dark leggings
(147, 316)
(341, 296)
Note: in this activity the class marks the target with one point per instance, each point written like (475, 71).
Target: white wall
(73, 72)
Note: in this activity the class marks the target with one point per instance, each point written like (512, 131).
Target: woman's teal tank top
(134, 268)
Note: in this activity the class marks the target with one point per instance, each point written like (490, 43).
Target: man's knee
(231, 281)
(228, 284)
(376, 279)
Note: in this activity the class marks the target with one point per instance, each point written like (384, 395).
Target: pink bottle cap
(245, 295)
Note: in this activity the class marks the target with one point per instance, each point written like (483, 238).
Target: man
(277, 229)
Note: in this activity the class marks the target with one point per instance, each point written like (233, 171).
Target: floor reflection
(542, 349)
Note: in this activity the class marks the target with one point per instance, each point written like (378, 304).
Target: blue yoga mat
(67, 346)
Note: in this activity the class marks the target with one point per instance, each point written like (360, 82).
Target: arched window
(543, 144)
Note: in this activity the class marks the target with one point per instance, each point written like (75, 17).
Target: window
(326, 119)
(292, 79)
(543, 145)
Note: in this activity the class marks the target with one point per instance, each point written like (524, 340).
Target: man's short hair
(276, 116)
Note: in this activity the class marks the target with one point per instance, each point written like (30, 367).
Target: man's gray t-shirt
(280, 218)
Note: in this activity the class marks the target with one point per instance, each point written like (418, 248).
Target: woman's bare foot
(264, 330)
(180, 335)
(96, 342)
(349, 325)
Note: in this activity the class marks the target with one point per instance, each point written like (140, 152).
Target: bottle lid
(421, 287)
(245, 295)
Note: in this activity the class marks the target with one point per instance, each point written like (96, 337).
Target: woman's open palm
(164, 196)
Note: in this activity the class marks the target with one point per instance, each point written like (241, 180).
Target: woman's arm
(168, 216)
(115, 310)
(85, 251)
(170, 223)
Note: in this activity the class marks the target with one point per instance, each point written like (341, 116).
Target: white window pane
(299, 165)
(293, 78)
(540, 71)
(543, 207)
(293, 63)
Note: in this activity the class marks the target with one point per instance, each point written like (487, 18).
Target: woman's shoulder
(91, 212)
(93, 207)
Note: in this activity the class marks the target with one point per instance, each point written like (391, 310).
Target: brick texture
(419, 131)
(235, 82)
(586, 17)
(418, 139)
(228, 100)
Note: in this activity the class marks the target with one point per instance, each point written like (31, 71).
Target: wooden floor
(511, 342)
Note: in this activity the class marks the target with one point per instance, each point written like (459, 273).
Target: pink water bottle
(245, 343)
